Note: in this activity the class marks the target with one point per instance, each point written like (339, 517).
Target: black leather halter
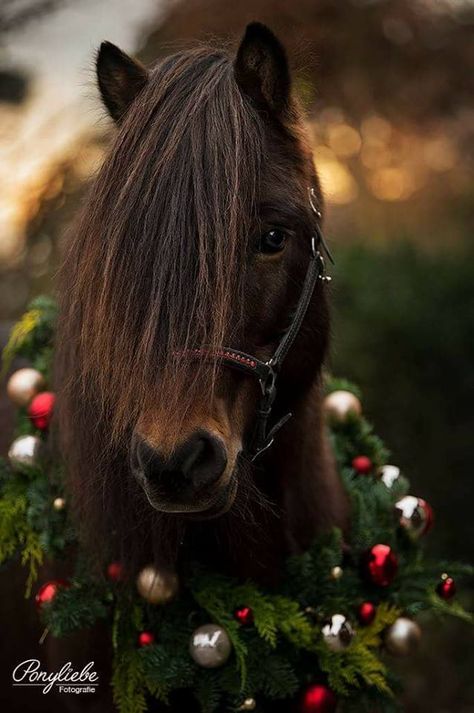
(267, 371)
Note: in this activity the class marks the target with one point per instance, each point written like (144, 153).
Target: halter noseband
(267, 371)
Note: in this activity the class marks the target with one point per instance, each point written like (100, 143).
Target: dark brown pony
(195, 233)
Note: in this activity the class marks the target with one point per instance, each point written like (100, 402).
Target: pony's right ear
(120, 79)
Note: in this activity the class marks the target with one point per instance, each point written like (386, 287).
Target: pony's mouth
(205, 506)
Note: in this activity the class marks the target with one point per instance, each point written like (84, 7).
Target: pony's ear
(120, 79)
(261, 69)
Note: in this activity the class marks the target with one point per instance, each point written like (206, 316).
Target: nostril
(203, 458)
(149, 460)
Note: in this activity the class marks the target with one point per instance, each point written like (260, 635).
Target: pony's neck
(302, 496)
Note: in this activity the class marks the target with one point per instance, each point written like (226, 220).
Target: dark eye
(273, 241)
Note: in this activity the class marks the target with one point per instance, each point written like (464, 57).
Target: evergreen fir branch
(371, 636)
(208, 692)
(454, 609)
(127, 682)
(76, 607)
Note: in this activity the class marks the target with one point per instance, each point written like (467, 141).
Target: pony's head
(195, 235)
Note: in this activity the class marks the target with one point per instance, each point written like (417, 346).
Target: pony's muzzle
(185, 480)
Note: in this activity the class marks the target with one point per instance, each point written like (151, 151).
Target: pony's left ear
(120, 79)
(261, 69)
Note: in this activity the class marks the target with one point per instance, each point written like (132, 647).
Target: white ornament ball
(25, 451)
(157, 586)
(416, 516)
(59, 503)
(403, 637)
(248, 705)
(340, 404)
(337, 572)
(210, 646)
(338, 633)
(23, 385)
(389, 474)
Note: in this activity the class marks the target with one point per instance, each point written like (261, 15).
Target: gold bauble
(337, 572)
(157, 586)
(248, 705)
(59, 503)
(23, 385)
(340, 404)
(403, 637)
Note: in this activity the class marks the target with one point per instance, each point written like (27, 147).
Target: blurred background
(388, 85)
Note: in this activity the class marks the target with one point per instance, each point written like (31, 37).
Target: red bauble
(366, 613)
(244, 615)
(318, 699)
(362, 465)
(47, 592)
(115, 572)
(446, 589)
(380, 565)
(40, 409)
(146, 638)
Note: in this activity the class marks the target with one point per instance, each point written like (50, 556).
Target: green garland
(286, 632)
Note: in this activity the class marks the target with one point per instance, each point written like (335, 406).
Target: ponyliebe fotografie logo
(66, 680)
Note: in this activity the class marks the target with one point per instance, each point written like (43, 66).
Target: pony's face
(211, 173)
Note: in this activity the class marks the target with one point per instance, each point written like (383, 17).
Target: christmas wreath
(325, 636)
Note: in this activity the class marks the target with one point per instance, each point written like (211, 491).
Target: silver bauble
(337, 632)
(25, 451)
(340, 404)
(248, 705)
(389, 474)
(403, 637)
(415, 515)
(23, 385)
(157, 586)
(210, 646)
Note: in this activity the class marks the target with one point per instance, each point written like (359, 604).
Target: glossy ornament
(248, 705)
(446, 588)
(339, 405)
(380, 565)
(244, 615)
(403, 637)
(416, 515)
(157, 586)
(23, 385)
(362, 465)
(145, 638)
(337, 632)
(318, 699)
(40, 410)
(210, 646)
(366, 613)
(389, 474)
(337, 573)
(25, 451)
(115, 572)
(47, 592)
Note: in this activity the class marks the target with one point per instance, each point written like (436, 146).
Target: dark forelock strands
(154, 267)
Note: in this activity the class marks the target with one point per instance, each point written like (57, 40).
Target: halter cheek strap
(267, 371)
